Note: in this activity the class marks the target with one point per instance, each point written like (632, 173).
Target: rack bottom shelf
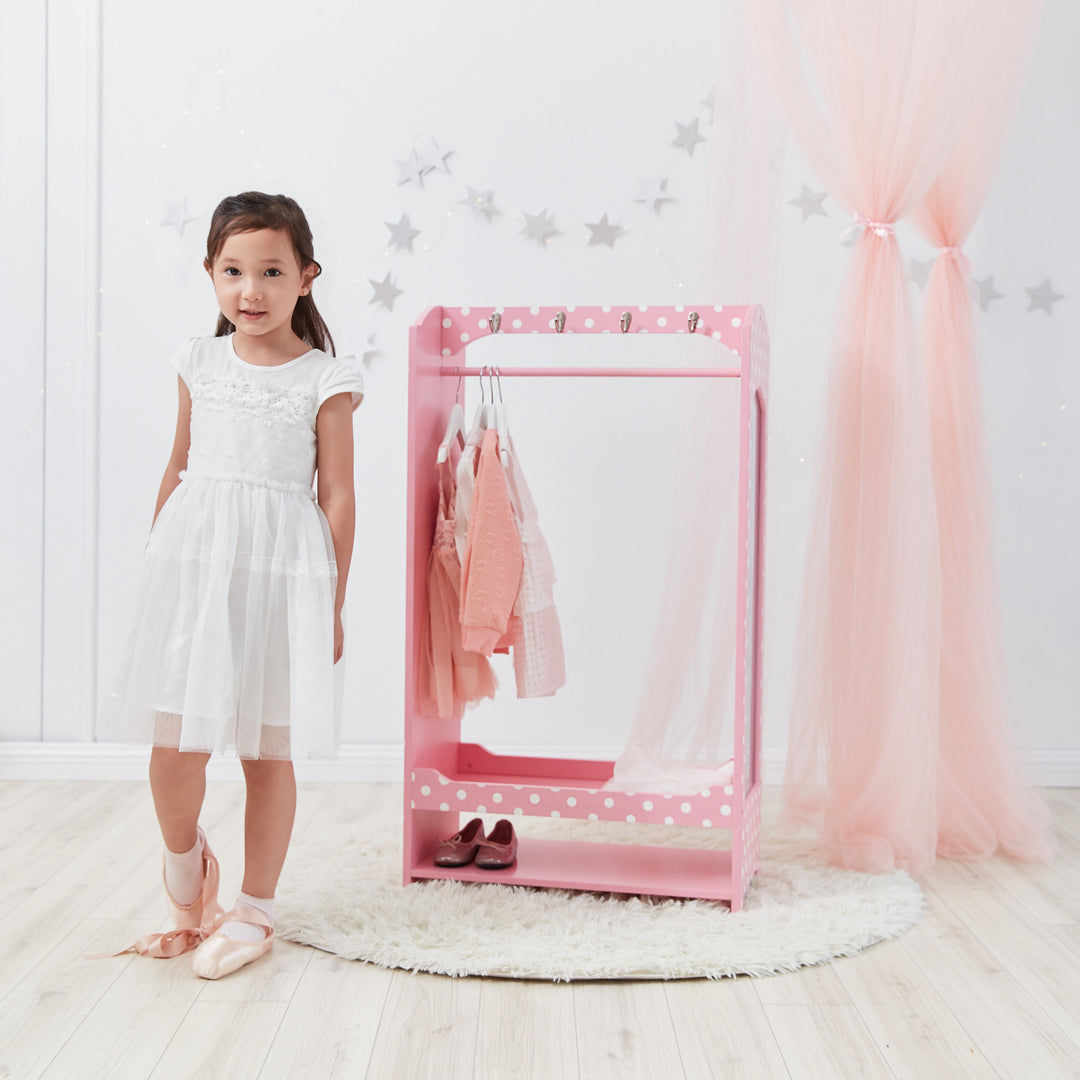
(621, 868)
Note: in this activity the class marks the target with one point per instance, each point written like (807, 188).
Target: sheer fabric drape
(878, 97)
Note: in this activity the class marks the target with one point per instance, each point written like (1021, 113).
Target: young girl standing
(243, 582)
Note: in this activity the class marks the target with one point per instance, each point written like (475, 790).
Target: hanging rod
(598, 372)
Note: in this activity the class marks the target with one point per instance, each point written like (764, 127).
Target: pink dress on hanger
(492, 565)
(451, 677)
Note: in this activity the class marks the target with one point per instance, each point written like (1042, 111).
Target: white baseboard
(383, 762)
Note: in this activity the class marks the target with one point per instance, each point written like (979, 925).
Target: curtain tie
(880, 228)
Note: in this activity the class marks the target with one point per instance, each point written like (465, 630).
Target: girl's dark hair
(254, 210)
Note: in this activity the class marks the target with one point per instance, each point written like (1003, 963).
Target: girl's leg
(268, 822)
(178, 783)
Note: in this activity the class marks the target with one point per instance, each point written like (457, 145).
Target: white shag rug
(344, 895)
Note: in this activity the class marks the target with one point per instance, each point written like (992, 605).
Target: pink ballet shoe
(219, 955)
(461, 848)
(192, 922)
(499, 850)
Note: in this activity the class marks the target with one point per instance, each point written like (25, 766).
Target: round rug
(342, 893)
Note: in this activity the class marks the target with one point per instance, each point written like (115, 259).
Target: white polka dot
(481, 809)
(555, 813)
(679, 308)
(443, 781)
(496, 797)
(464, 337)
(594, 817)
(481, 785)
(736, 321)
(518, 787)
(412, 804)
(718, 307)
(446, 352)
(589, 323)
(534, 799)
(707, 823)
(571, 801)
(609, 803)
(685, 808)
(716, 335)
(705, 793)
(447, 323)
(631, 818)
(425, 790)
(571, 309)
(729, 790)
(461, 793)
(444, 806)
(646, 805)
(465, 311)
(516, 324)
(518, 811)
(644, 307)
(534, 311)
(643, 331)
(412, 775)
(661, 321)
(482, 323)
(606, 308)
(593, 791)
(556, 789)
(669, 821)
(725, 810)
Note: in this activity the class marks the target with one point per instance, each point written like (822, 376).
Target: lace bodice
(257, 424)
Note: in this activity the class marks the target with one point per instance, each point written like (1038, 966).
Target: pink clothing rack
(445, 777)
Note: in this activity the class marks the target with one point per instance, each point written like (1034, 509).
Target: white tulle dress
(233, 641)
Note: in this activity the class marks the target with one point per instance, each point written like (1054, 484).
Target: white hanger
(455, 426)
(501, 424)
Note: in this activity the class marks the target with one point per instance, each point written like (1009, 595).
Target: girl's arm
(181, 445)
(334, 435)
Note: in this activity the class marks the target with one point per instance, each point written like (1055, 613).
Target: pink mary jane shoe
(461, 848)
(499, 849)
(219, 955)
(191, 922)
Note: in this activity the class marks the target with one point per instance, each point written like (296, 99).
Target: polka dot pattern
(465, 326)
(700, 809)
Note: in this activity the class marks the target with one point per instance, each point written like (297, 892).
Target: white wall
(564, 111)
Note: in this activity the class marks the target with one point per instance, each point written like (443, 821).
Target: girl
(243, 582)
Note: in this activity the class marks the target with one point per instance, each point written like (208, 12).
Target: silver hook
(693, 320)
(624, 321)
(491, 382)
(560, 322)
(494, 322)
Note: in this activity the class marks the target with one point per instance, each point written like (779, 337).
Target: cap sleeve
(342, 375)
(183, 360)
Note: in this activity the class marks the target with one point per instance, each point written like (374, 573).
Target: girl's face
(258, 280)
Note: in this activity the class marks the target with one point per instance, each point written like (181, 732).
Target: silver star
(433, 159)
(411, 169)
(385, 292)
(540, 227)
(653, 193)
(175, 214)
(1043, 297)
(809, 202)
(688, 136)
(987, 292)
(709, 101)
(603, 232)
(479, 202)
(919, 272)
(402, 234)
(370, 354)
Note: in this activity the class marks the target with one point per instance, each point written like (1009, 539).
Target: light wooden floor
(987, 986)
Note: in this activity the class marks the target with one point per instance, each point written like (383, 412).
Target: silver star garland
(385, 292)
(540, 227)
(402, 234)
(688, 136)
(480, 203)
(987, 292)
(809, 202)
(653, 193)
(433, 159)
(411, 169)
(370, 354)
(175, 214)
(603, 232)
(1043, 297)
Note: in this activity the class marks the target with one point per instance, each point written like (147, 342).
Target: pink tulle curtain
(877, 96)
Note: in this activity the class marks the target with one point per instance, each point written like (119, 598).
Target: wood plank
(722, 1029)
(331, 1023)
(428, 1028)
(526, 1029)
(221, 1039)
(826, 1041)
(1005, 1022)
(625, 1032)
